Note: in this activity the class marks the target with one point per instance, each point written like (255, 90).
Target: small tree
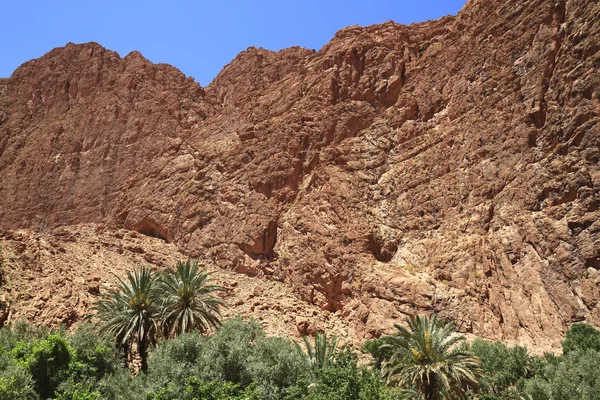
(187, 300)
(130, 312)
(425, 358)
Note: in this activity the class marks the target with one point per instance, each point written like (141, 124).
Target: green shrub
(215, 390)
(378, 351)
(581, 337)
(79, 392)
(504, 369)
(238, 353)
(23, 330)
(538, 388)
(575, 377)
(226, 356)
(94, 355)
(16, 381)
(274, 365)
(195, 389)
(173, 361)
(8, 340)
(47, 360)
(122, 386)
(341, 379)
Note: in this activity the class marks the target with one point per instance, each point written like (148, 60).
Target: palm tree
(187, 300)
(425, 358)
(323, 351)
(130, 312)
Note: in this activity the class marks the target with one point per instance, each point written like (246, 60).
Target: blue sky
(198, 37)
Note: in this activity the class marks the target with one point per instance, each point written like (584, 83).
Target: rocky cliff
(449, 166)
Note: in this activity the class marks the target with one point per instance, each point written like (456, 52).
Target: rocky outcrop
(449, 166)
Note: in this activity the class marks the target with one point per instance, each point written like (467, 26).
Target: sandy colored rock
(57, 287)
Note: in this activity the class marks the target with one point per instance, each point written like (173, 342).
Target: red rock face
(449, 166)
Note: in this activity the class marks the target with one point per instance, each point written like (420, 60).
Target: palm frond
(322, 352)
(187, 299)
(129, 312)
(425, 357)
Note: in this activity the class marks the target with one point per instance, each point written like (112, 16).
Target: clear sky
(198, 37)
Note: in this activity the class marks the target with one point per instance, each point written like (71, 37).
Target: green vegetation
(175, 311)
(240, 362)
(581, 337)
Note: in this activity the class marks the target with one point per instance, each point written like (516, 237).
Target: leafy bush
(79, 392)
(379, 351)
(341, 379)
(238, 353)
(16, 381)
(47, 360)
(22, 330)
(215, 390)
(575, 376)
(173, 361)
(226, 356)
(504, 368)
(122, 386)
(581, 337)
(274, 365)
(94, 355)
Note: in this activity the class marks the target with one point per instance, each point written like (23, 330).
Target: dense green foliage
(16, 381)
(581, 337)
(240, 362)
(38, 364)
(48, 360)
(194, 389)
(512, 373)
(239, 353)
(341, 379)
(504, 369)
(573, 376)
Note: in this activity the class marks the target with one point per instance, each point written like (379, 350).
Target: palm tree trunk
(143, 351)
(429, 389)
